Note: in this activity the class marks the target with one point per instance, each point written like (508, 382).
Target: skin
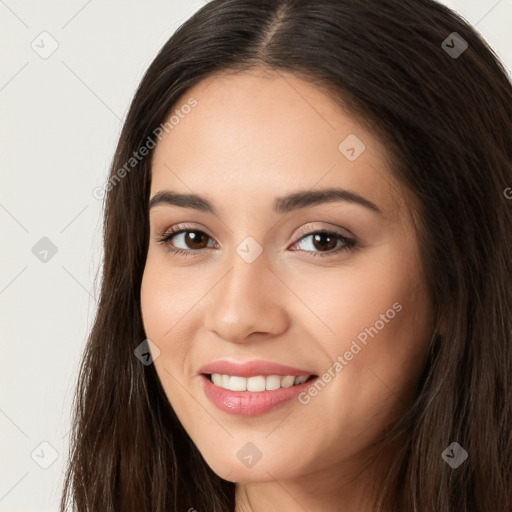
(252, 137)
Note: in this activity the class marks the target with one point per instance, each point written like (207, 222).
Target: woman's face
(267, 290)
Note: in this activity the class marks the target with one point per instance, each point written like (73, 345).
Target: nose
(248, 300)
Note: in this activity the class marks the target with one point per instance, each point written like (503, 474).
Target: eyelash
(349, 244)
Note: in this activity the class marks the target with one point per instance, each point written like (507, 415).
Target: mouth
(255, 395)
(250, 388)
(256, 383)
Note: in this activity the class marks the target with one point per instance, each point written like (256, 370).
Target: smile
(252, 388)
(257, 383)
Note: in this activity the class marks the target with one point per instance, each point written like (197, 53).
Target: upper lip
(251, 368)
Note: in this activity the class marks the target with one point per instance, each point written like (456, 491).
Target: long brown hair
(446, 121)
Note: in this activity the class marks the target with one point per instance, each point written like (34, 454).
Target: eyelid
(177, 228)
(308, 229)
(305, 231)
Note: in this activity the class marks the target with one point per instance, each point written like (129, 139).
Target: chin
(228, 466)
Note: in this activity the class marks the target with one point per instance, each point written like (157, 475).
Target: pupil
(193, 237)
(329, 238)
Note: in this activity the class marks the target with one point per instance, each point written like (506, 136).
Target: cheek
(167, 296)
(376, 318)
(157, 317)
(381, 291)
(162, 307)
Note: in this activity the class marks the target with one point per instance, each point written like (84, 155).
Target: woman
(306, 299)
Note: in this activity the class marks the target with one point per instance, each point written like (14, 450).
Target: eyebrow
(284, 204)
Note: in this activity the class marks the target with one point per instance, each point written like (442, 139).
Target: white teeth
(288, 381)
(300, 380)
(237, 383)
(217, 379)
(257, 383)
(273, 382)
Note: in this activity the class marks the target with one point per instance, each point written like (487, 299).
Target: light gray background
(61, 119)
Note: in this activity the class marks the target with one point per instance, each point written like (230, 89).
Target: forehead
(259, 132)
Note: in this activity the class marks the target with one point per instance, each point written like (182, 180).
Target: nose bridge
(248, 269)
(246, 298)
(245, 287)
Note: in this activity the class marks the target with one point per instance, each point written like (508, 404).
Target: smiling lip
(251, 368)
(250, 403)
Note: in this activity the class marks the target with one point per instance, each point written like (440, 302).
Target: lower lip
(250, 403)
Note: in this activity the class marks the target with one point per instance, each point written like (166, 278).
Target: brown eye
(192, 239)
(324, 243)
(195, 239)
